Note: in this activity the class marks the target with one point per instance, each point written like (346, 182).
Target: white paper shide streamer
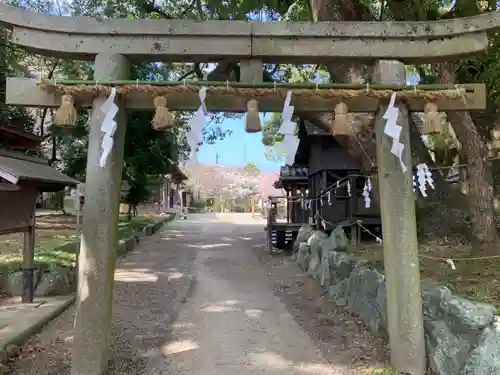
(287, 125)
(366, 192)
(451, 263)
(424, 179)
(197, 124)
(290, 141)
(292, 144)
(393, 130)
(108, 126)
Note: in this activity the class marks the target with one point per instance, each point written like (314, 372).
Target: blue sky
(241, 148)
(237, 149)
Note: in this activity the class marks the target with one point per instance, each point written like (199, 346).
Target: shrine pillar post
(401, 263)
(165, 195)
(99, 238)
(29, 258)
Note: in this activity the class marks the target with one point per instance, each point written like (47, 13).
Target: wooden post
(164, 195)
(251, 71)
(29, 260)
(401, 264)
(97, 258)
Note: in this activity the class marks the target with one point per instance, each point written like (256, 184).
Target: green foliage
(201, 203)
(72, 144)
(270, 135)
(12, 116)
(251, 169)
(138, 191)
(387, 370)
(485, 68)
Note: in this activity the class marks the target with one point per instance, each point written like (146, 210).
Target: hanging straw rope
(160, 91)
(252, 122)
(341, 121)
(66, 114)
(174, 88)
(432, 119)
(162, 119)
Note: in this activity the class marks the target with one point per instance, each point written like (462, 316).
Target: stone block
(129, 244)
(342, 266)
(340, 239)
(462, 337)
(122, 247)
(330, 244)
(148, 230)
(446, 351)
(303, 256)
(56, 282)
(12, 282)
(303, 235)
(325, 271)
(484, 359)
(381, 304)
(14, 285)
(461, 315)
(315, 242)
(314, 267)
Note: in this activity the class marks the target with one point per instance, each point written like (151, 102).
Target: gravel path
(240, 316)
(150, 285)
(340, 336)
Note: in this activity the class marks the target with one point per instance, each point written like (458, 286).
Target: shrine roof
(177, 174)
(19, 138)
(16, 167)
(294, 173)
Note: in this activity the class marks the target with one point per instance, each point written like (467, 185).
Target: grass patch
(127, 228)
(477, 280)
(55, 244)
(387, 370)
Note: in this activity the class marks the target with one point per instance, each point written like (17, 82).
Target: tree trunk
(442, 212)
(487, 123)
(480, 178)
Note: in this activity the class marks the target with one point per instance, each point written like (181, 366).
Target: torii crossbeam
(113, 44)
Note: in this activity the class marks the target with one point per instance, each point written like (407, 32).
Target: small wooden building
(173, 183)
(335, 181)
(22, 178)
(327, 195)
(295, 205)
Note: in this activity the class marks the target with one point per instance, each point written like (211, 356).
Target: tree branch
(149, 7)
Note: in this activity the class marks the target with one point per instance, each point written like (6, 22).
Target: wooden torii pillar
(113, 43)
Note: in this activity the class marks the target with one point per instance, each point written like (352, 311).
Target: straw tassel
(432, 119)
(252, 123)
(162, 119)
(341, 122)
(66, 114)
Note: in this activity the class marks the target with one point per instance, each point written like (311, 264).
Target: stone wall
(462, 337)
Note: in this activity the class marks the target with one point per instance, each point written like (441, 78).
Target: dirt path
(237, 315)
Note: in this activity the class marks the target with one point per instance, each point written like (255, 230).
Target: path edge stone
(12, 346)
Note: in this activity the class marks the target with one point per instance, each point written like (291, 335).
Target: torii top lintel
(179, 40)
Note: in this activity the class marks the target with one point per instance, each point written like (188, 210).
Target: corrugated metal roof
(16, 167)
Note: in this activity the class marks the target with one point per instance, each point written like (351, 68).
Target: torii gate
(112, 44)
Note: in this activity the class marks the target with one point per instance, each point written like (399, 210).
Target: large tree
(361, 144)
(474, 148)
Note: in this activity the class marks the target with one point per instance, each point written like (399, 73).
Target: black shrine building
(323, 188)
